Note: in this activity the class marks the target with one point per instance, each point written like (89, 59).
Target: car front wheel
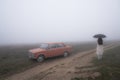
(65, 54)
(40, 58)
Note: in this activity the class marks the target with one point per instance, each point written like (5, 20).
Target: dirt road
(62, 69)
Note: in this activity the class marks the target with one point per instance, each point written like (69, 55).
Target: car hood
(36, 50)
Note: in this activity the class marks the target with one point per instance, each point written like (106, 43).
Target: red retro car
(47, 50)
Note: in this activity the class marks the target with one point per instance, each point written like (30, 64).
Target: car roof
(54, 43)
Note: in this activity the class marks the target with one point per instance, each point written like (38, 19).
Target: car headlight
(31, 55)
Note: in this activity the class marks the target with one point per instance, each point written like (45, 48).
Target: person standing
(99, 50)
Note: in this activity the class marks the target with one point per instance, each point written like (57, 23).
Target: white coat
(99, 51)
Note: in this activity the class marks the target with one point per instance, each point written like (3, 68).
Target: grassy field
(109, 66)
(14, 59)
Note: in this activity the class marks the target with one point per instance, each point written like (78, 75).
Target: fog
(35, 21)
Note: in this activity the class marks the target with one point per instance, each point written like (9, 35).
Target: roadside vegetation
(14, 59)
(109, 66)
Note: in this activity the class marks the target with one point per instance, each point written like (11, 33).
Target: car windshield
(44, 46)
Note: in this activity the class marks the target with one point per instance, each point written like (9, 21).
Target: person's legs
(101, 52)
(99, 56)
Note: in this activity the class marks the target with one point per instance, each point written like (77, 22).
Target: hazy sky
(32, 21)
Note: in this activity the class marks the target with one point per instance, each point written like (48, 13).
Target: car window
(52, 46)
(44, 46)
(60, 45)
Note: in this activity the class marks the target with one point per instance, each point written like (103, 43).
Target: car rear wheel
(40, 58)
(65, 54)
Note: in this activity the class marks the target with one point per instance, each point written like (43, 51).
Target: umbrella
(99, 36)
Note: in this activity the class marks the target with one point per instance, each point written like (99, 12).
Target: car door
(51, 52)
(60, 49)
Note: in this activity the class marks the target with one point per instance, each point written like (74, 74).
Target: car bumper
(31, 56)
